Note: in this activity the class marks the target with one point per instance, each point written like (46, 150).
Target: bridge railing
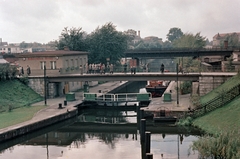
(139, 69)
(121, 97)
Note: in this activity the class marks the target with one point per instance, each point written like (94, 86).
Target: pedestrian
(86, 68)
(125, 67)
(81, 69)
(111, 69)
(28, 70)
(162, 68)
(22, 71)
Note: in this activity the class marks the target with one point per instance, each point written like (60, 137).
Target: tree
(174, 34)
(73, 38)
(189, 40)
(106, 43)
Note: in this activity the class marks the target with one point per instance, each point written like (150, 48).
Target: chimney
(66, 48)
(139, 33)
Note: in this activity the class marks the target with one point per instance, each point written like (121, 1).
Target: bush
(224, 146)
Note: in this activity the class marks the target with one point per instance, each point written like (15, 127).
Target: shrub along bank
(221, 126)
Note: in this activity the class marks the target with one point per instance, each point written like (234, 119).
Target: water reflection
(104, 134)
(73, 145)
(107, 116)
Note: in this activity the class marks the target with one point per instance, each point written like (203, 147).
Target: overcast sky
(43, 20)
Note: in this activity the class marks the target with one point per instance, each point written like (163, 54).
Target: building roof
(224, 34)
(52, 53)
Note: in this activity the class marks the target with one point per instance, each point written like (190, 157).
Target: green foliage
(24, 80)
(107, 42)
(7, 71)
(186, 87)
(226, 145)
(15, 94)
(230, 83)
(185, 121)
(73, 38)
(189, 40)
(174, 34)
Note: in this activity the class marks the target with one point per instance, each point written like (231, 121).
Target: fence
(217, 102)
(122, 97)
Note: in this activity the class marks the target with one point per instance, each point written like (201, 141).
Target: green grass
(223, 119)
(18, 115)
(14, 94)
(235, 80)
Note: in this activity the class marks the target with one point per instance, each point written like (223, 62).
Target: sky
(43, 20)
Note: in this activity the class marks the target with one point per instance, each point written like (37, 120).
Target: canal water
(101, 134)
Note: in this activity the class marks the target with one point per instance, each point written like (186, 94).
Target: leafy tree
(107, 43)
(174, 34)
(189, 40)
(73, 38)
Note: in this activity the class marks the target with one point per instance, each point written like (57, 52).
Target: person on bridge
(28, 70)
(162, 68)
(81, 69)
(111, 69)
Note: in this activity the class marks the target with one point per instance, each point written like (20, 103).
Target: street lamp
(177, 86)
(45, 85)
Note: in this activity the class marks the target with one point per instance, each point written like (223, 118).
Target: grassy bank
(235, 80)
(15, 94)
(222, 124)
(15, 101)
(18, 115)
(222, 119)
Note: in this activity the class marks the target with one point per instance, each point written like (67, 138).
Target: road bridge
(143, 76)
(178, 52)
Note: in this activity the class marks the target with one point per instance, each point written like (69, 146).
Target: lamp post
(177, 86)
(45, 85)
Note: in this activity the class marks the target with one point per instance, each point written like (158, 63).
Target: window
(53, 65)
(43, 63)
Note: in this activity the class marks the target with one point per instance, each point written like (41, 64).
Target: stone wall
(207, 84)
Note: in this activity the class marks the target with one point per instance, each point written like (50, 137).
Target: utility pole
(177, 86)
(45, 85)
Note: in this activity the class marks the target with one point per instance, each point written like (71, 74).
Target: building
(222, 37)
(56, 63)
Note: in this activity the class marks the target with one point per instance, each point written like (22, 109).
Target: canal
(101, 134)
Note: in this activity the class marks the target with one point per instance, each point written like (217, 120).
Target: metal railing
(121, 97)
(219, 101)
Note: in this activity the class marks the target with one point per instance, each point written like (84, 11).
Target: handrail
(121, 97)
(217, 102)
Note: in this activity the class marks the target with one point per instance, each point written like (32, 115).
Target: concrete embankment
(52, 114)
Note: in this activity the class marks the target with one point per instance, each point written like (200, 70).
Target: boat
(156, 87)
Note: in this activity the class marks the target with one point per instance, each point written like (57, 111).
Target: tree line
(106, 43)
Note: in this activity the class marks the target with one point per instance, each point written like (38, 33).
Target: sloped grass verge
(232, 82)
(14, 94)
(19, 115)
